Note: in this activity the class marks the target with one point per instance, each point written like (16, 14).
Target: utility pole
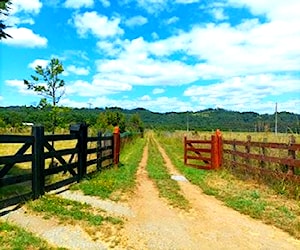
(276, 120)
(187, 121)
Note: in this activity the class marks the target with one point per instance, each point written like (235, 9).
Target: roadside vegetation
(13, 237)
(247, 196)
(167, 187)
(115, 183)
(71, 212)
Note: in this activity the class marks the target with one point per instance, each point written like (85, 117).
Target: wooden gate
(49, 167)
(204, 154)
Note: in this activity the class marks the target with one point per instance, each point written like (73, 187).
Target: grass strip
(67, 210)
(174, 148)
(13, 237)
(114, 180)
(246, 196)
(167, 187)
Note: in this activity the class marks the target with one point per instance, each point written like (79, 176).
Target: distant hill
(211, 119)
(204, 120)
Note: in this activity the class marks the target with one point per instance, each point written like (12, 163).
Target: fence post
(117, 144)
(291, 155)
(214, 152)
(38, 163)
(185, 151)
(220, 147)
(99, 151)
(82, 154)
(248, 148)
(264, 153)
(233, 159)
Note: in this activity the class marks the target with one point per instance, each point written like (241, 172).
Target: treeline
(138, 119)
(20, 117)
(211, 119)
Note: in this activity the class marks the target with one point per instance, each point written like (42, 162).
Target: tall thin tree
(47, 83)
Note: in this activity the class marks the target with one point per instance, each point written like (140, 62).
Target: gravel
(109, 206)
(67, 236)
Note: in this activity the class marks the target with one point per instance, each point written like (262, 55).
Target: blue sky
(162, 55)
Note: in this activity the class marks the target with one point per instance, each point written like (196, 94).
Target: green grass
(67, 211)
(114, 182)
(167, 187)
(247, 196)
(247, 203)
(13, 237)
(174, 148)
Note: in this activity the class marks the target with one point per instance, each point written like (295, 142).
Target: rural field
(153, 201)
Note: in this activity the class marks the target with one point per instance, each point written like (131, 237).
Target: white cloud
(108, 48)
(20, 86)
(77, 4)
(136, 21)
(273, 9)
(153, 6)
(145, 98)
(252, 60)
(161, 104)
(218, 14)
(98, 25)
(38, 62)
(171, 20)
(187, 1)
(74, 55)
(14, 20)
(157, 6)
(134, 66)
(22, 12)
(98, 87)
(147, 72)
(105, 3)
(77, 70)
(23, 37)
(32, 6)
(67, 102)
(244, 93)
(154, 36)
(157, 91)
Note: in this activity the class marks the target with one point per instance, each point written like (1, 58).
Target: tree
(47, 83)
(136, 124)
(107, 120)
(4, 8)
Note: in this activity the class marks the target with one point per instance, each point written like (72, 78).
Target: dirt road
(209, 225)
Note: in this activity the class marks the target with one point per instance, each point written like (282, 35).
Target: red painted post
(214, 152)
(117, 144)
(220, 148)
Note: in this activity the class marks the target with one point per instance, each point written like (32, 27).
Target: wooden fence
(85, 154)
(279, 160)
(207, 152)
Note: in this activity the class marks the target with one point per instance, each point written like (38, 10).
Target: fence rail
(279, 160)
(38, 150)
(208, 152)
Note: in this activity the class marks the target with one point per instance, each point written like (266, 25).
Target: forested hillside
(209, 119)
